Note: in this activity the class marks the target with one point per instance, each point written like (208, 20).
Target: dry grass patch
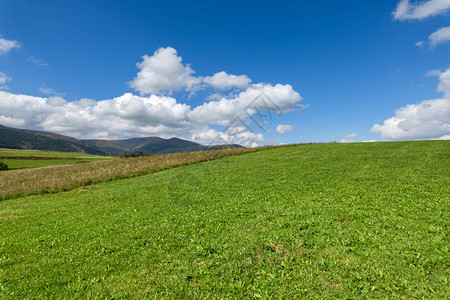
(53, 179)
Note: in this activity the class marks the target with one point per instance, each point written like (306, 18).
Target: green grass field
(366, 220)
(18, 158)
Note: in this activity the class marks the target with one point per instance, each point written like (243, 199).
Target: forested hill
(40, 140)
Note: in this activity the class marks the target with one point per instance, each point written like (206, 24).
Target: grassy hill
(367, 220)
(52, 179)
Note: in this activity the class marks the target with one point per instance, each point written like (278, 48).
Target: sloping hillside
(327, 221)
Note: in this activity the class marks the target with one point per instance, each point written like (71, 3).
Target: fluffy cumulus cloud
(7, 45)
(155, 114)
(163, 72)
(256, 98)
(232, 135)
(284, 128)
(122, 117)
(429, 119)
(420, 9)
(154, 111)
(224, 81)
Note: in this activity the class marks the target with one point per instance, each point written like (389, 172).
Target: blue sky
(354, 63)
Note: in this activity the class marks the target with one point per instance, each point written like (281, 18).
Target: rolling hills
(151, 145)
(40, 140)
(333, 221)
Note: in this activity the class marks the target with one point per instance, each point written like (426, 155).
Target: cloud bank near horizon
(155, 111)
(429, 119)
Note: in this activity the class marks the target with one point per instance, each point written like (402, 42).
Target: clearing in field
(365, 220)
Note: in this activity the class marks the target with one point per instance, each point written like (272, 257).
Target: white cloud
(433, 73)
(124, 116)
(7, 45)
(163, 72)
(443, 138)
(224, 81)
(350, 136)
(284, 128)
(215, 96)
(369, 141)
(235, 135)
(11, 121)
(430, 119)
(37, 61)
(345, 141)
(50, 91)
(132, 115)
(347, 138)
(439, 37)
(258, 97)
(3, 80)
(444, 83)
(420, 10)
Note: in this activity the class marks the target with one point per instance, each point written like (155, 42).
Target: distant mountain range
(40, 140)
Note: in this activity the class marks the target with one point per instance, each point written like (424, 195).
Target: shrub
(3, 166)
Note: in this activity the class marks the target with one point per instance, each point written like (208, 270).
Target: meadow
(56, 178)
(348, 221)
(18, 158)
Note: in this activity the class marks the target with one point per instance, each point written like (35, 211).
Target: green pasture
(18, 158)
(325, 221)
